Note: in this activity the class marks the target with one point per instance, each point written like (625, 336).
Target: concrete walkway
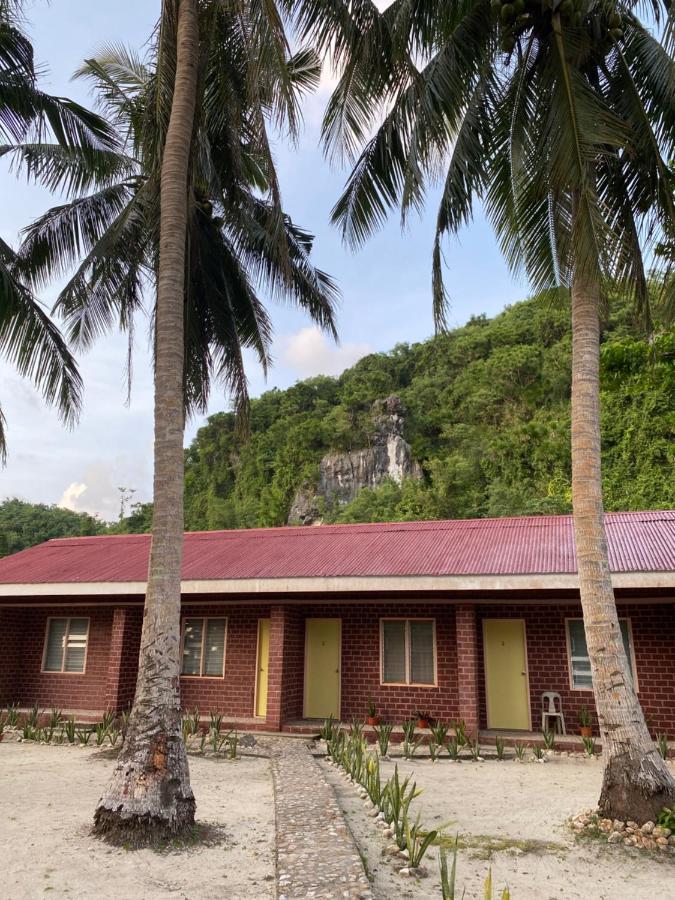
(316, 854)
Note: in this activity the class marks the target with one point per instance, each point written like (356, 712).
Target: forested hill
(487, 417)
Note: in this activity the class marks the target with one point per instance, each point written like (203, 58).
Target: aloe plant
(538, 752)
(108, 719)
(589, 745)
(383, 735)
(662, 744)
(55, 719)
(474, 749)
(519, 747)
(439, 733)
(70, 730)
(548, 738)
(84, 735)
(400, 795)
(113, 736)
(101, 732)
(329, 729)
(13, 715)
(216, 721)
(409, 727)
(453, 749)
(416, 840)
(33, 716)
(448, 879)
(499, 747)
(232, 744)
(410, 748)
(460, 733)
(434, 750)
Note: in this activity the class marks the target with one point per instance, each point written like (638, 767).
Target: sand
(47, 797)
(524, 805)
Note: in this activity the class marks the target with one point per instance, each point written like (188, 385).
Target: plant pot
(422, 723)
(373, 720)
(586, 731)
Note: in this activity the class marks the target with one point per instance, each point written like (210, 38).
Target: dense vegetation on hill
(487, 417)
(24, 524)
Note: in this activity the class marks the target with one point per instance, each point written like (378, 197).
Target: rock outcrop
(343, 475)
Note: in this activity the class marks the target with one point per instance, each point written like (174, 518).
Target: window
(204, 647)
(408, 651)
(580, 664)
(66, 645)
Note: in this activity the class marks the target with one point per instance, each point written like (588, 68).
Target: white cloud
(71, 495)
(309, 352)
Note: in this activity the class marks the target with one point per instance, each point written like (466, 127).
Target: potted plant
(372, 718)
(423, 719)
(585, 729)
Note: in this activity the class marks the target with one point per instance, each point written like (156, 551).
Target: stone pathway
(316, 854)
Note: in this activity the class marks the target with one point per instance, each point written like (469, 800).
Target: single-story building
(468, 619)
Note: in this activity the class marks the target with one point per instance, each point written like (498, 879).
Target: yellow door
(322, 668)
(263, 664)
(508, 695)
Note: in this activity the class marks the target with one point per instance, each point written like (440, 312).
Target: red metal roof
(638, 542)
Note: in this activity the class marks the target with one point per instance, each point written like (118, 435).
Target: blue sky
(385, 288)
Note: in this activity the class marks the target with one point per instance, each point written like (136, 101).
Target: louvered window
(66, 645)
(580, 664)
(204, 647)
(408, 651)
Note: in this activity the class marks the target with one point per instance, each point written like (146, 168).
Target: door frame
(527, 669)
(304, 677)
(257, 667)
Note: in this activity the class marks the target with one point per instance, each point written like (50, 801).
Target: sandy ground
(47, 797)
(524, 805)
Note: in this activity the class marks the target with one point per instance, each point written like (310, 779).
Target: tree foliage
(25, 524)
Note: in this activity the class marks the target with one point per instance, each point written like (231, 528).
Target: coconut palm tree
(188, 205)
(29, 340)
(559, 117)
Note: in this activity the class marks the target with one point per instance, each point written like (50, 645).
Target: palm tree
(28, 339)
(189, 204)
(559, 117)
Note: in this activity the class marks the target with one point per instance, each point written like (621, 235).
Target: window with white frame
(66, 645)
(580, 664)
(204, 647)
(408, 651)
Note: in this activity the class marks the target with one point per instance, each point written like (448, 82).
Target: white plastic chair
(551, 708)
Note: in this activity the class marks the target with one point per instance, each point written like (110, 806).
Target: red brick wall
(48, 689)
(10, 632)
(22, 634)
(125, 643)
(234, 694)
(361, 662)
(293, 684)
(653, 629)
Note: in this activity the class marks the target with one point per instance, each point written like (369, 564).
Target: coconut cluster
(519, 16)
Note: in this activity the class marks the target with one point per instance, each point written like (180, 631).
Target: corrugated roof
(638, 542)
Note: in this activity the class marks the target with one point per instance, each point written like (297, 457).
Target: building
(469, 619)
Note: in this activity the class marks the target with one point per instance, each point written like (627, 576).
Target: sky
(386, 293)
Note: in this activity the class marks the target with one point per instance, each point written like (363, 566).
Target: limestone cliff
(342, 475)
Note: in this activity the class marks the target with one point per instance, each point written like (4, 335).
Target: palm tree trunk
(149, 795)
(636, 783)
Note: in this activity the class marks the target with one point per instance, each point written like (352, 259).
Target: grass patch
(483, 846)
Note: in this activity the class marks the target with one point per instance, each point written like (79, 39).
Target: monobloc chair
(551, 708)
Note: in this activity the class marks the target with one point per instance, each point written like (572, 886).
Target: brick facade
(114, 638)
(653, 629)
